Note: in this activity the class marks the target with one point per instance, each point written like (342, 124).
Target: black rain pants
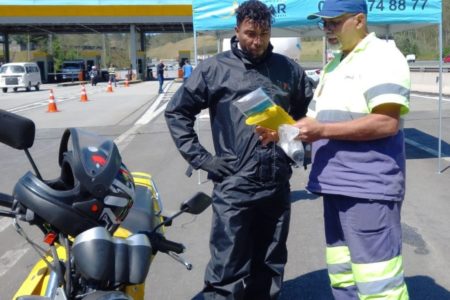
(248, 247)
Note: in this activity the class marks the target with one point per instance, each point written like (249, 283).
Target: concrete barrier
(426, 82)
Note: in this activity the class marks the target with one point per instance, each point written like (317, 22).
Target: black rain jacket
(216, 84)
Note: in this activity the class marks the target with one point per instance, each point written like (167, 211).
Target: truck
(71, 70)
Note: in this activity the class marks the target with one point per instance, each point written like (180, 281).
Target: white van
(20, 75)
(411, 58)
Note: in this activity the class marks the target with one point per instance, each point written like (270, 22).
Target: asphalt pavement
(426, 230)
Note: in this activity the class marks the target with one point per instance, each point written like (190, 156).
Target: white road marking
(4, 223)
(41, 103)
(125, 138)
(430, 97)
(10, 258)
(154, 111)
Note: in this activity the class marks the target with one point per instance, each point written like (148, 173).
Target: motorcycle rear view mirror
(17, 131)
(197, 204)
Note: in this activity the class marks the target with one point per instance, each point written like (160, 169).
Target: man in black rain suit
(251, 206)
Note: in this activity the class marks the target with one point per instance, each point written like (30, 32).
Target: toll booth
(150, 70)
(91, 58)
(45, 63)
(140, 72)
(183, 55)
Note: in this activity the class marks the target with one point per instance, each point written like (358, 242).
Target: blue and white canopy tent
(385, 17)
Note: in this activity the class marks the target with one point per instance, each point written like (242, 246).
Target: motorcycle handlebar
(6, 200)
(160, 243)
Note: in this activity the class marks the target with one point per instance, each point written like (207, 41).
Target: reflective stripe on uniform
(397, 293)
(339, 267)
(381, 280)
(338, 115)
(338, 255)
(386, 88)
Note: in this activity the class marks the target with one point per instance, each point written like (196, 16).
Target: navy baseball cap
(336, 8)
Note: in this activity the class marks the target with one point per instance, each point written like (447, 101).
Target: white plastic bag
(288, 142)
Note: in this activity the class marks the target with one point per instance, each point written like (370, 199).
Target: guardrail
(418, 66)
(445, 69)
(61, 76)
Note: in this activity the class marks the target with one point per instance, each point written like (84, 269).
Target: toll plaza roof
(94, 16)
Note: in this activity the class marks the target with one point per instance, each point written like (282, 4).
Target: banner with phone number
(220, 14)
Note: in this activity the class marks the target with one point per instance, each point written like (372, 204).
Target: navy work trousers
(370, 229)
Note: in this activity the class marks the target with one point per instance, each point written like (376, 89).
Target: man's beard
(334, 47)
(252, 56)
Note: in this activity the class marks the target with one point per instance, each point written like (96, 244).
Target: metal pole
(50, 44)
(440, 99)
(103, 51)
(6, 46)
(219, 43)
(28, 47)
(197, 121)
(133, 54)
(195, 47)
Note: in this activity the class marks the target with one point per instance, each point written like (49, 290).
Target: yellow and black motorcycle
(102, 224)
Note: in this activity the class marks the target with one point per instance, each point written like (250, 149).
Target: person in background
(187, 70)
(251, 195)
(160, 73)
(112, 74)
(355, 127)
(130, 72)
(93, 75)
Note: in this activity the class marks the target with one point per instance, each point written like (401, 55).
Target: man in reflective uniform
(112, 74)
(358, 154)
(251, 205)
(355, 126)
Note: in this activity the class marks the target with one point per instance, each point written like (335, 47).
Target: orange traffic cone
(109, 89)
(83, 97)
(51, 103)
(126, 82)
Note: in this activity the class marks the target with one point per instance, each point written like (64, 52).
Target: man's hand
(267, 135)
(217, 167)
(310, 130)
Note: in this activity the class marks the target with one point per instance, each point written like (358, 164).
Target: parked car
(411, 58)
(20, 75)
(446, 59)
(314, 76)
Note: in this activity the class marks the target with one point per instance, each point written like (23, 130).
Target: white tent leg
(440, 99)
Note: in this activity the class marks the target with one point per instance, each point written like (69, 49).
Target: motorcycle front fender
(37, 280)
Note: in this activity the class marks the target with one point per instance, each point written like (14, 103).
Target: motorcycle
(103, 225)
